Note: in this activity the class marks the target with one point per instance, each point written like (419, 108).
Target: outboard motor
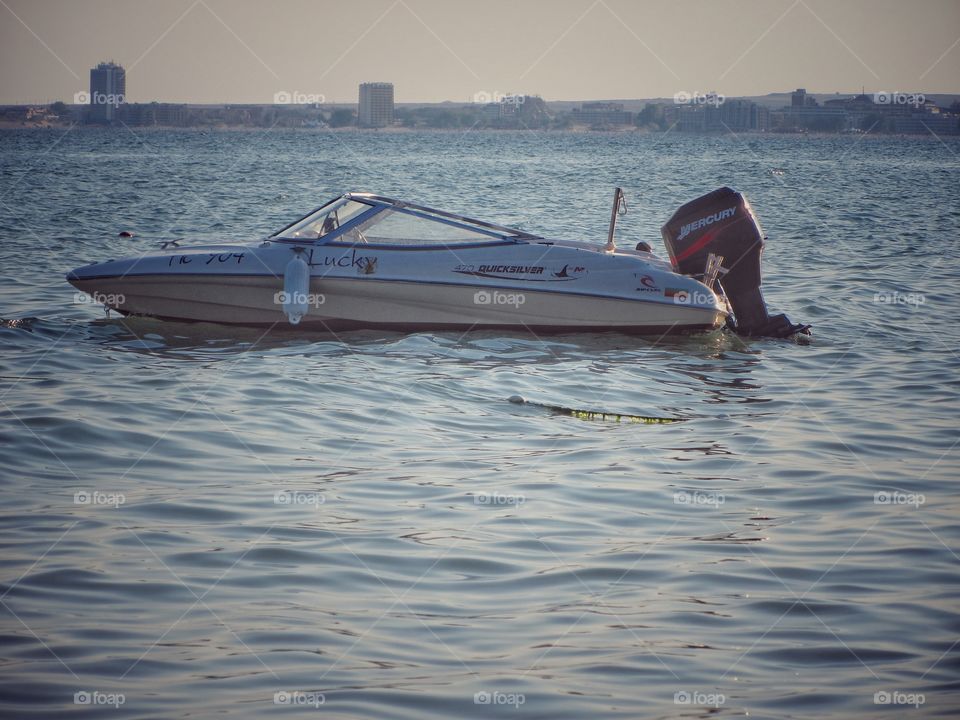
(722, 223)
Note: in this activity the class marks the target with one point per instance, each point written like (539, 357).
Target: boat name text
(361, 262)
(219, 257)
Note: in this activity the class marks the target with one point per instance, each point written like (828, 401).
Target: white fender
(296, 287)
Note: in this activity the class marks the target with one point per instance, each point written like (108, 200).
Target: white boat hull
(337, 303)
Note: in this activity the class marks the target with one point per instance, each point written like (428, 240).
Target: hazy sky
(432, 50)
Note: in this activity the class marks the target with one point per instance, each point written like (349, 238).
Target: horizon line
(474, 102)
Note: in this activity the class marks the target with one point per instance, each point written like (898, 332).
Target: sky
(245, 51)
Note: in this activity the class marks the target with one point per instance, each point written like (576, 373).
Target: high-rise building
(376, 104)
(108, 90)
(800, 99)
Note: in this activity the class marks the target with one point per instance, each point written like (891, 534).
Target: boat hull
(347, 303)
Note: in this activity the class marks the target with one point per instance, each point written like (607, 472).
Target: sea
(204, 521)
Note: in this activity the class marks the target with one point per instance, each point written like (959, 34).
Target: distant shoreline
(882, 113)
(752, 134)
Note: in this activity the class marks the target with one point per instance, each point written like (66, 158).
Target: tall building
(376, 104)
(108, 90)
(799, 98)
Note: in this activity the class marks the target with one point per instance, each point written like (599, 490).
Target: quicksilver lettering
(516, 269)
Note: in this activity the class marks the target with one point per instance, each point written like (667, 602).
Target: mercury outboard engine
(722, 223)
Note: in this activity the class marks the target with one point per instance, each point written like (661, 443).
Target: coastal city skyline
(105, 103)
(208, 51)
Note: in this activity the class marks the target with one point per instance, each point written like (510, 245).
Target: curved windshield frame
(326, 220)
(376, 220)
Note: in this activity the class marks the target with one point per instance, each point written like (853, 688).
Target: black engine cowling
(722, 223)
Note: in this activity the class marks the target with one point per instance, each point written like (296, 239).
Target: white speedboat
(364, 260)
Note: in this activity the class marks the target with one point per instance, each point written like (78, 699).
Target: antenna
(619, 208)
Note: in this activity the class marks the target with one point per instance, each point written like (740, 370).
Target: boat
(367, 261)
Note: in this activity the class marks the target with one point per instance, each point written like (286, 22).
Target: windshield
(403, 227)
(325, 220)
(380, 220)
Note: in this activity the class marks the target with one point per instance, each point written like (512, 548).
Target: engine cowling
(723, 223)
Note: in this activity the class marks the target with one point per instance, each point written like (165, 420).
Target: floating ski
(593, 415)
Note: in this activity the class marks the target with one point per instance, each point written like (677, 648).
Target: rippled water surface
(205, 521)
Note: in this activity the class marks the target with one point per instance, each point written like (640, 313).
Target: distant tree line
(530, 112)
